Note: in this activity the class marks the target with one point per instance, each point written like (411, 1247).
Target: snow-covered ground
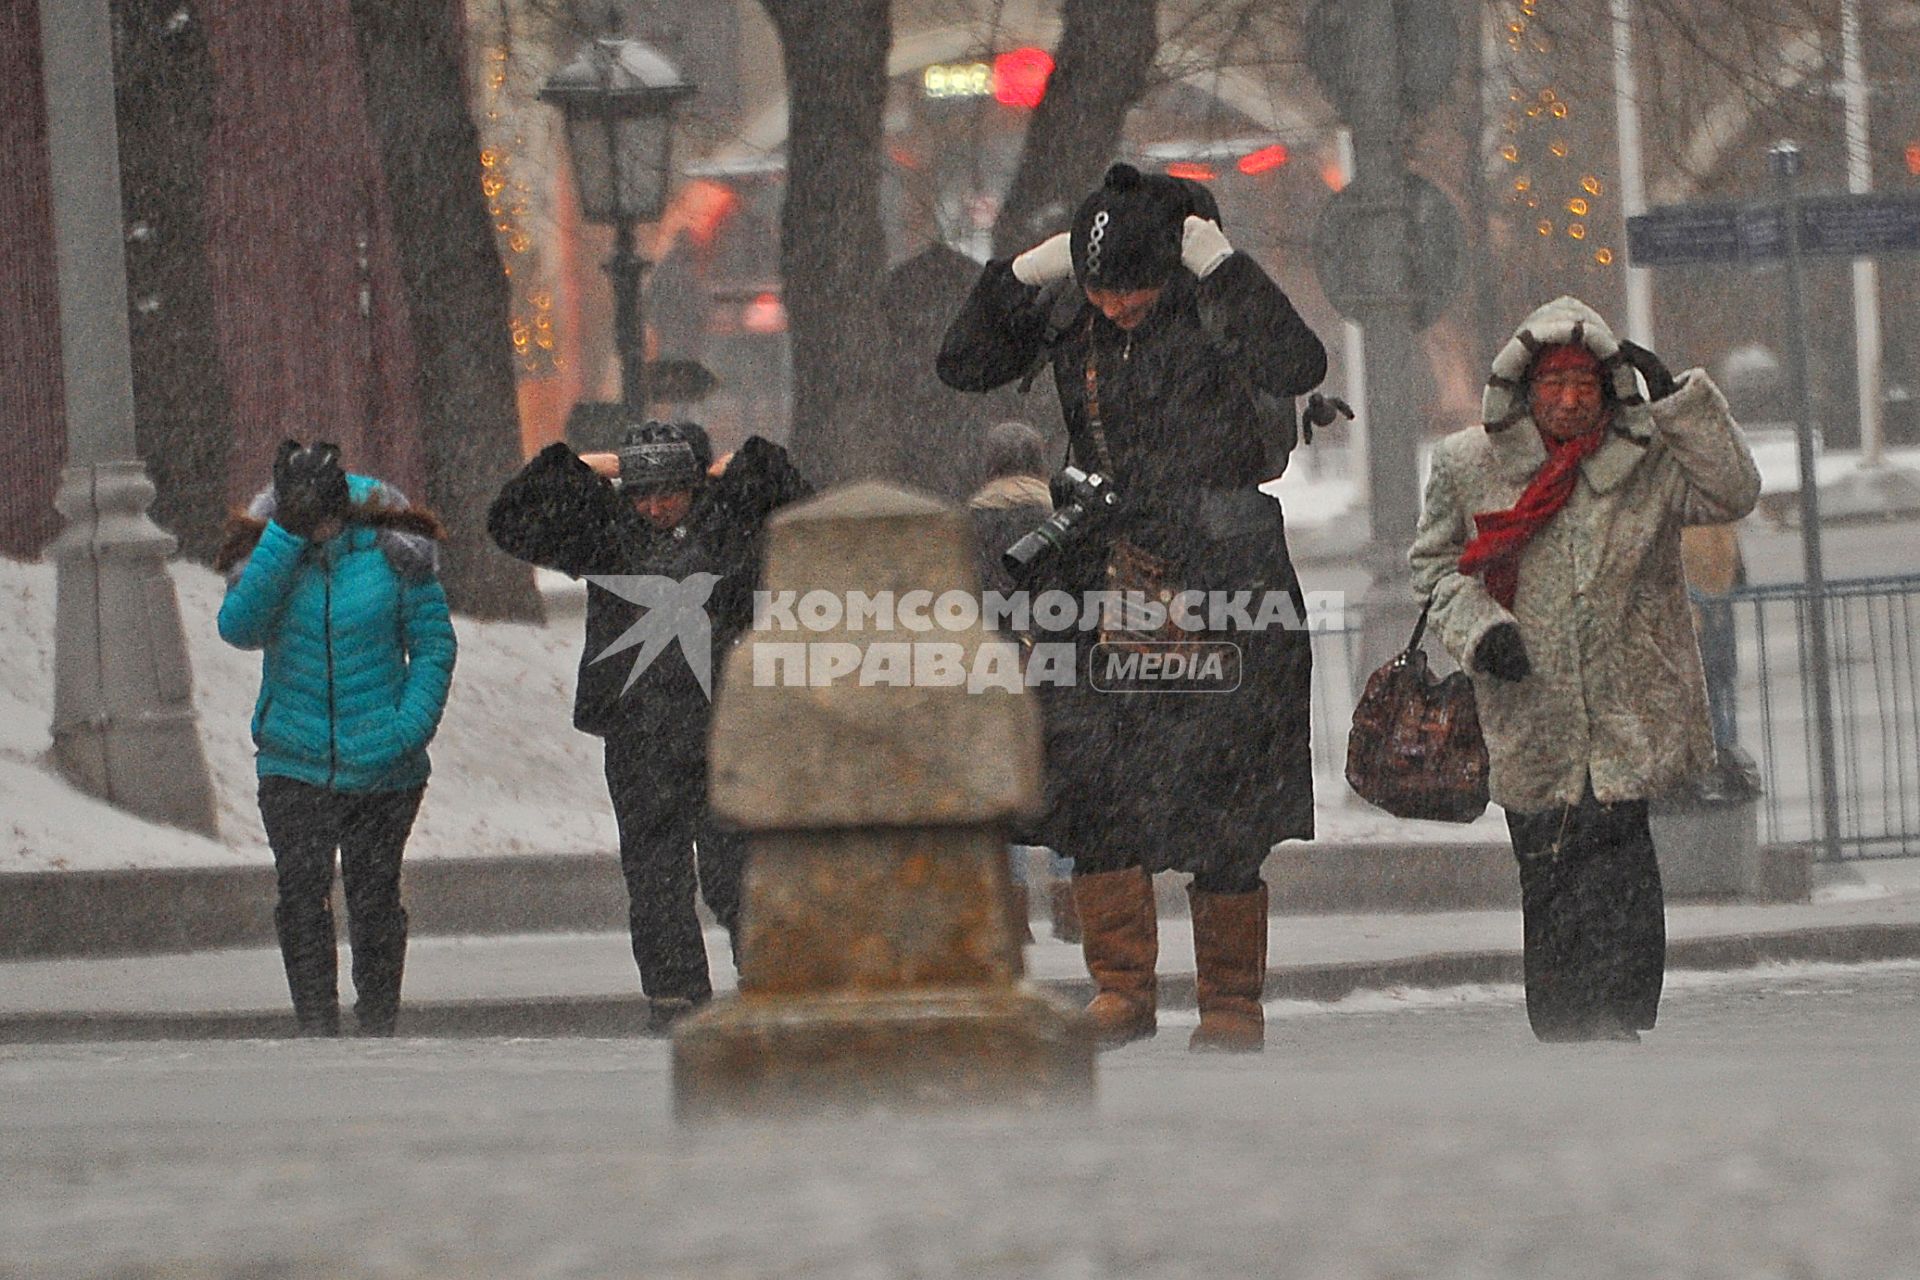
(1764, 1130)
(511, 777)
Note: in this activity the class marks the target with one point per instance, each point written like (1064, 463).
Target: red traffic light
(1020, 77)
(765, 314)
(1191, 169)
(1258, 162)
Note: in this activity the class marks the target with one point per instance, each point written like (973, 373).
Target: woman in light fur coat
(1549, 551)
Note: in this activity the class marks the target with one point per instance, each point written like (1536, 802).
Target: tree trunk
(163, 74)
(1100, 71)
(457, 301)
(833, 253)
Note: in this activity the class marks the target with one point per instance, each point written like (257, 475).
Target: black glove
(1502, 654)
(759, 480)
(1323, 410)
(308, 487)
(1660, 379)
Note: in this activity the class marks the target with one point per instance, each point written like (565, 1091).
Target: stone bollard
(879, 965)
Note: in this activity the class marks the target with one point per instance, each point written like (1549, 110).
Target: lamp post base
(123, 720)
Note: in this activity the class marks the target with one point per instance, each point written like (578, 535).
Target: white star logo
(673, 610)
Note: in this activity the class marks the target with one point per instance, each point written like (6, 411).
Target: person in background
(1715, 568)
(332, 577)
(660, 507)
(1549, 554)
(1012, 500)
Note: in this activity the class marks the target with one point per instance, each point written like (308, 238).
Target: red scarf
(1503, 535)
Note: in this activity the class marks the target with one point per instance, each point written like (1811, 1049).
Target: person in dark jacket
(660, 508)
(331, 576)
(1014, 498)
(1177, 361)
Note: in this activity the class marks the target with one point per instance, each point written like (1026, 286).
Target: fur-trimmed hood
(1509, 424)
(408, 535)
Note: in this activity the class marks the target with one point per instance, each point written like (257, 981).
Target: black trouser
(1595, 924)
(668, 845)
(306, 825)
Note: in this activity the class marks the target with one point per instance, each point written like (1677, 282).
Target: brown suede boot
(1230, 969)
(1121, 939)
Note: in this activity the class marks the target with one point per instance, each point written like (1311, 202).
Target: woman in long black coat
(1177, 361)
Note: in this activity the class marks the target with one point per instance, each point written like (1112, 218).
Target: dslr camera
(1080, 499)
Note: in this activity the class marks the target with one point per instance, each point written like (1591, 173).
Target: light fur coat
(1616, 693)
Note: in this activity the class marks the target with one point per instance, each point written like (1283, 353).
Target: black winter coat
(1196, 404)
(559, 514)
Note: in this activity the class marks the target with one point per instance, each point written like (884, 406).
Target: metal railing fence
(1874, 629)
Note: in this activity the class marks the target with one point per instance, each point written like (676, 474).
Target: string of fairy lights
(1548, 186)
(509, 196)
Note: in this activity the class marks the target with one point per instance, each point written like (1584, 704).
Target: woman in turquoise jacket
(331, 576)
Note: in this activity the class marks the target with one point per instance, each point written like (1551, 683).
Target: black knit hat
(662, 457)
(1127, 234)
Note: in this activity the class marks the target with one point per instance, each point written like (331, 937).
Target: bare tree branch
(1100, 70)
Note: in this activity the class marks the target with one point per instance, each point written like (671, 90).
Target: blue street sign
(1686, 234)
(1851, 226)
(1859, 226)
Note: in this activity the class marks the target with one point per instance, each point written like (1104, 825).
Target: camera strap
(1096, 429)
(1132, 572)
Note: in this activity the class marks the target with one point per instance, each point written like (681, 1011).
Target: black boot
(307, 951)
(373, 838)
(379, 959)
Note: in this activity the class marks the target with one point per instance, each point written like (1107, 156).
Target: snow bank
(510, 774)
(511, 777)
(1778, 459)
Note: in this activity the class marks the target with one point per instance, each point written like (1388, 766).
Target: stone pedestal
(879, 964)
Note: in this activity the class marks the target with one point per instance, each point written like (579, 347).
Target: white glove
(1046, 262)
(1203, 246)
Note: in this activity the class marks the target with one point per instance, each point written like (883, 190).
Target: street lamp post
(123, 719)
(1785, 161)
(618, 98)
(1380, 126)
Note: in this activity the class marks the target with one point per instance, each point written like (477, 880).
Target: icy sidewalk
(584, 984)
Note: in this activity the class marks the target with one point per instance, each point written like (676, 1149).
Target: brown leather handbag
(1416, 749)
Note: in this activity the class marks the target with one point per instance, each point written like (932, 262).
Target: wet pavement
(1767, 1128)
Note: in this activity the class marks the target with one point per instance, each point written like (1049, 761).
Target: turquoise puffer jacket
(358, 649)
